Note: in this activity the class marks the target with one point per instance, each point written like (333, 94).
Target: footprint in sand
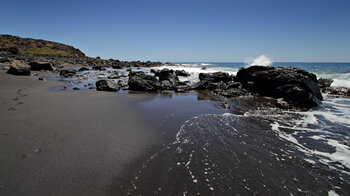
(12, 109)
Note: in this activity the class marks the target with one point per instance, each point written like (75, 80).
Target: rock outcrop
(182, 73)
(297, 86)
(38, 66)
(107, 85)
(67, 72)
(139, 81)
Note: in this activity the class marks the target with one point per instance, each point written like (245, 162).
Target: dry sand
(66, 143)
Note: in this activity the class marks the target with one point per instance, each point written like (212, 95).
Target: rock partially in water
(118, 66)
(83, 69)
(19, 68)
(224, 106)
(337, 91)
(182, 73)
(68, 72)
(215, 77)
(234, 92)
(182, 89)
(99, 68)
(294, 85)
(168, 75)
(139, 81)
(203, 85)
(107, 85)
(325, 82)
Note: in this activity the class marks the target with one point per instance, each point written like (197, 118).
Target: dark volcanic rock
(294, 85)
(339, 91)
(234, 92)
(215, 77)
(166, 74)
(99, 68)
(136, 73)
(167, 79)
(67, 72)
(19, 68)
(203, 85)
(297, 95)
(166, 85)
(182, 73)
(83, 69)
(37, 66)
(119, 66)
(107, 85)
(138, 81)
(324, 82)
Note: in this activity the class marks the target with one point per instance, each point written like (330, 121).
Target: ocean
(254, 149)
(250, 149)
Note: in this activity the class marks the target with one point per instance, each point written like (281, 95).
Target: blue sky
(186, 30)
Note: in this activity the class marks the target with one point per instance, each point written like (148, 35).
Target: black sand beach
(66, 143)
(82, 142)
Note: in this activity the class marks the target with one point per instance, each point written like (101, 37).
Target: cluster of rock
(22, 68)
(289, 86)
(298, 87)
(325, 85)
(58, 61)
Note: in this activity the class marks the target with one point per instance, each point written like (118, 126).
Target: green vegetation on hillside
(45, 51)
(30, 46)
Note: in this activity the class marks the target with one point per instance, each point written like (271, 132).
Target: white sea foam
(262, 60)
(340, 79)
(318, 125)
(195, 70)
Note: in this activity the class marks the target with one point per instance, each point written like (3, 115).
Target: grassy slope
(35, 46)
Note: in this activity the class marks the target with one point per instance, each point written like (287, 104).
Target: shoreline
(86, 141)
(65, 142)
(103, 143)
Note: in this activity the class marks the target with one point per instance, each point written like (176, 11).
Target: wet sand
(66, 142)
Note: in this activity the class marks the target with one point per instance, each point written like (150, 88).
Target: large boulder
(139, 81)
(167, 79)
(182, 73)
(99, 68)
(166, 74)
(38, 66)
(19, 68)
(215, 77)
(68, 72)
(294, 85)
(83, 69)
(107, 85)
(203, 85)
(325, 82)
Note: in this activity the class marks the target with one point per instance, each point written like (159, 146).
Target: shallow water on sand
(251, 150)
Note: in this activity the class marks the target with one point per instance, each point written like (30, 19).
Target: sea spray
(262, 60)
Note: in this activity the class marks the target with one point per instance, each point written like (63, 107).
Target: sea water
(259, 150)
